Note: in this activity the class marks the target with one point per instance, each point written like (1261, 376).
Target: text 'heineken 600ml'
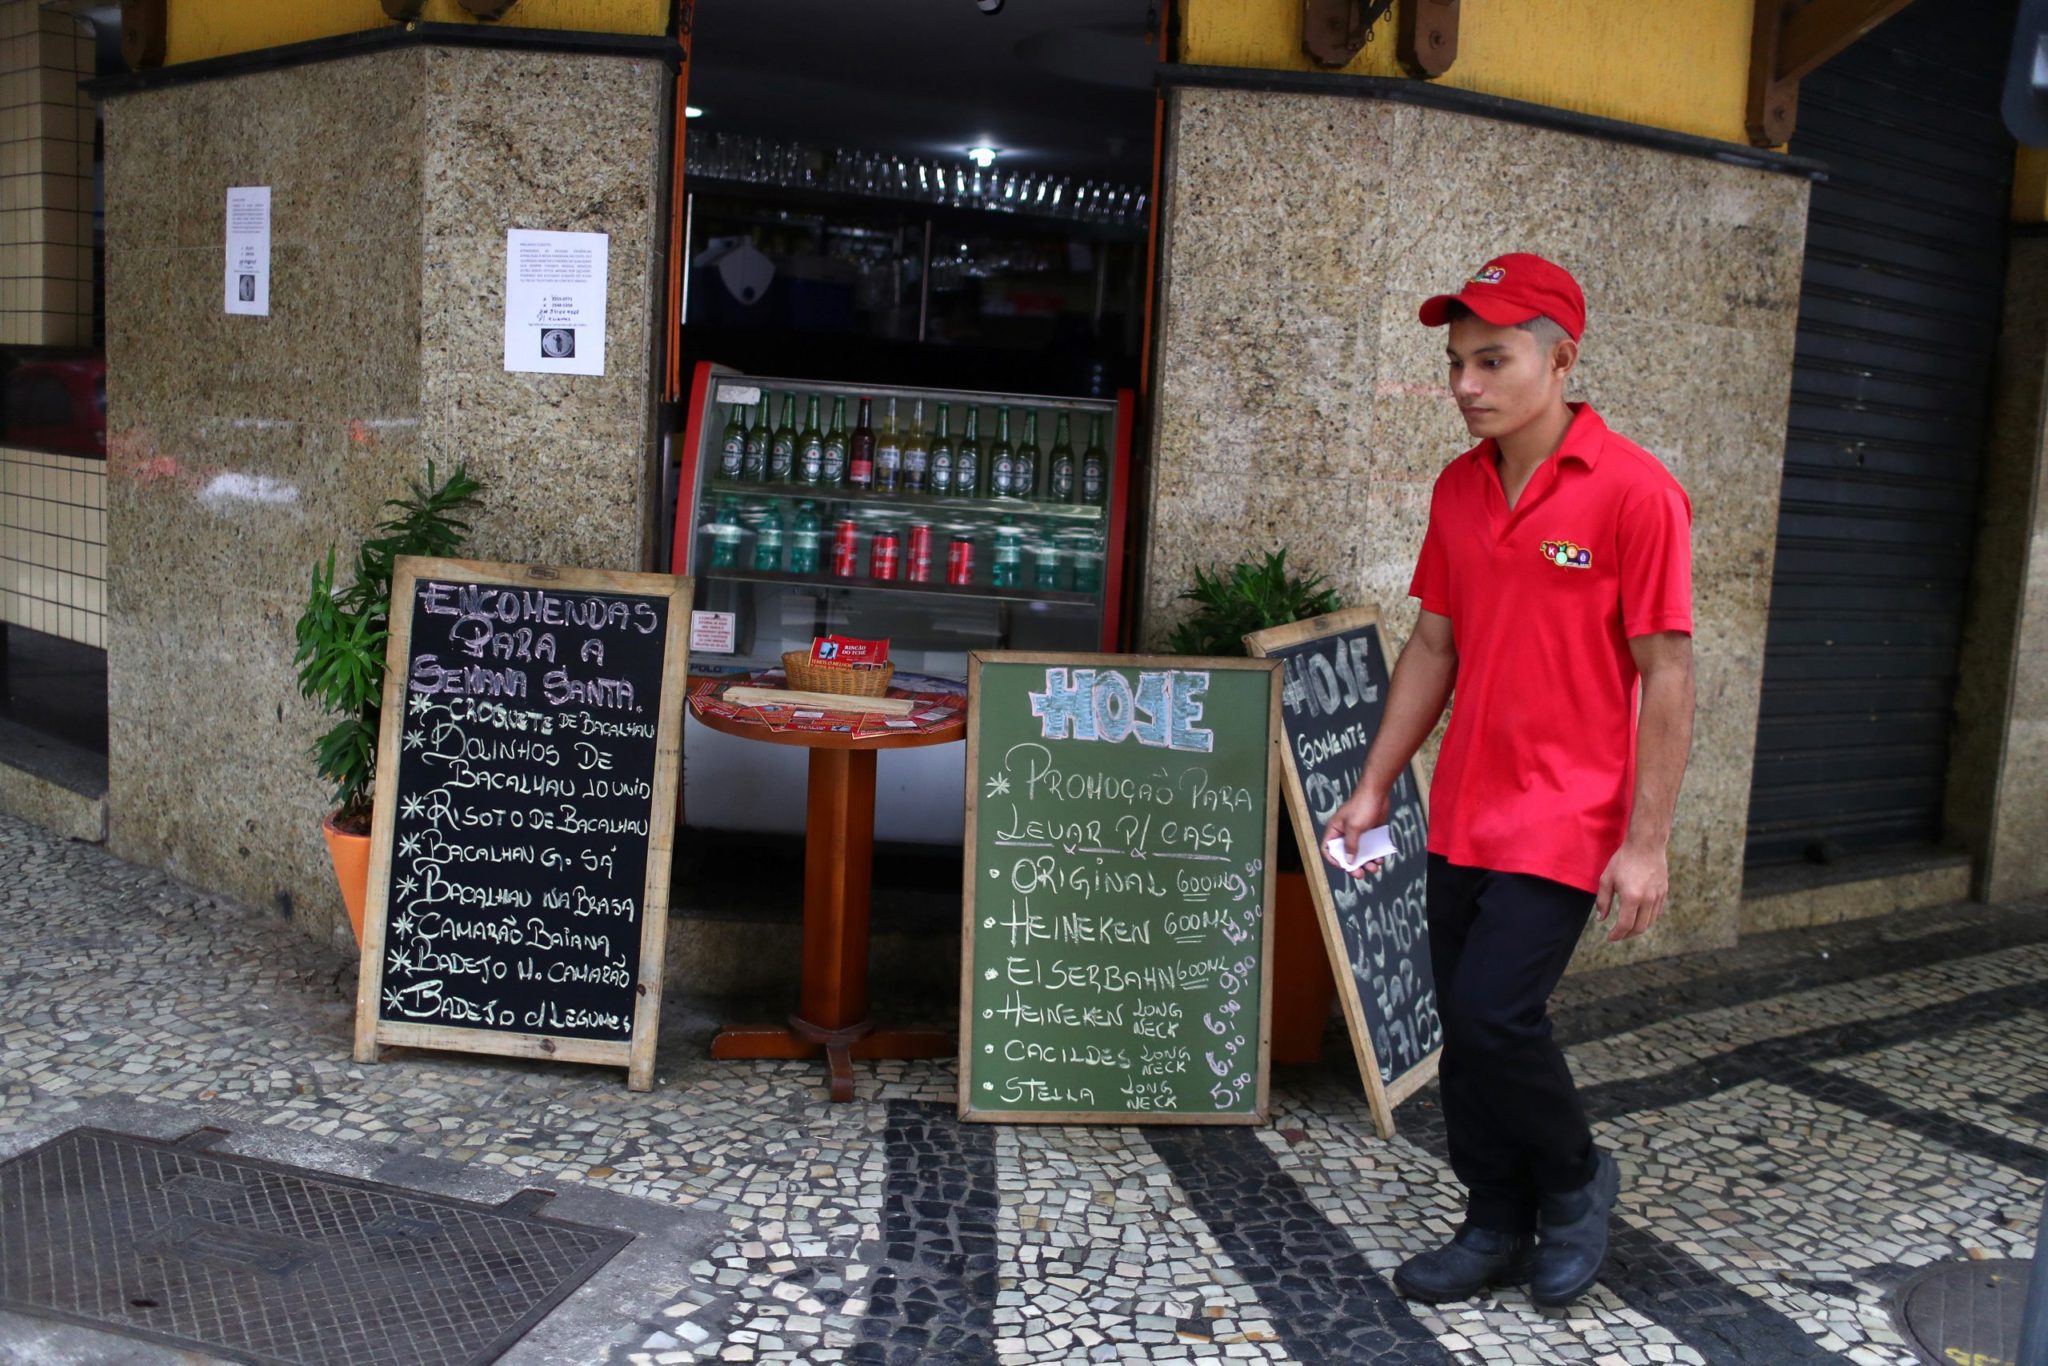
(810, 447)
(1094, 465)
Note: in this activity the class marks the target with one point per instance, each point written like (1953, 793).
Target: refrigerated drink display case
(827, 544)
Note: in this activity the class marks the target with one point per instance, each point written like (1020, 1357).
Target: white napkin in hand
(1375, 844)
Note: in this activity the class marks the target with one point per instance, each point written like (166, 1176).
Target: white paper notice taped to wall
(712, 632)
(248, 279)
(554, 301)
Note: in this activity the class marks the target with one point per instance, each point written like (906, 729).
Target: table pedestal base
(832, 999)
(839, 1047)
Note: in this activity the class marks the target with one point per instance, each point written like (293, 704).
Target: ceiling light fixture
(691, 111)
(989, 7)
(983, 157)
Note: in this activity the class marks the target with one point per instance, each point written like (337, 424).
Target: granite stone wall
(1998, 762)
(241, 447)
(1301, 405)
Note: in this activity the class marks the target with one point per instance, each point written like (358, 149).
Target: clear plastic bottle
(768, 539)
(725, 532)
(804, 535)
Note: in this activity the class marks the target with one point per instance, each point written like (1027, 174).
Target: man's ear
(1564, 357)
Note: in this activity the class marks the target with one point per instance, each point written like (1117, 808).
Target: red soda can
(845, 548)
(960, 560)
(919, 567)
(884, 556)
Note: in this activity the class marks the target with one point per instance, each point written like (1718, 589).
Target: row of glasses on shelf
(934, 180)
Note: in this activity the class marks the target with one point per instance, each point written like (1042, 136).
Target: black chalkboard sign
(526, 790)
(1376, 928)
(1117, 911)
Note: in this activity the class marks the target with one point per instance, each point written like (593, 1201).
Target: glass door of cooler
(937, 570)
(785, 548)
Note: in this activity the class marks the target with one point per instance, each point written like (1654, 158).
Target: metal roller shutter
(1898, 317)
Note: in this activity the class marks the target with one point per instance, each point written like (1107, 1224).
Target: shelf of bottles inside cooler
(774, 533)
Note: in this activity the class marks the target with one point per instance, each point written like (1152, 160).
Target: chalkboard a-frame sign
(525, 799)
(1117, 903)
(1375, 929)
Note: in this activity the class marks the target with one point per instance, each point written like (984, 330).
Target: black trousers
(1499, 942)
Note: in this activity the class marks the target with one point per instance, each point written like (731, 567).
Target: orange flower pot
(351, 856)
(1303, 986)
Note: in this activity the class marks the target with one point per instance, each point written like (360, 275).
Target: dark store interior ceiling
(1056, 85)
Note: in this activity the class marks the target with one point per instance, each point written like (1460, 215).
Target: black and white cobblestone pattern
(1802, 1122)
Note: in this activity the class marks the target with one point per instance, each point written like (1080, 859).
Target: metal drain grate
(1965, 1312)
(260, 1262)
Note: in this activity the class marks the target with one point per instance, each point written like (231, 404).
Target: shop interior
(938, 201)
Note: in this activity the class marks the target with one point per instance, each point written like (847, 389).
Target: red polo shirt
(1538, 768)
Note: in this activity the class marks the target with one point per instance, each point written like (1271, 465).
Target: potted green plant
(1252, 595)
(340, 658)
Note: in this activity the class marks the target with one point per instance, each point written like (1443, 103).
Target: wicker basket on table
(853, 680)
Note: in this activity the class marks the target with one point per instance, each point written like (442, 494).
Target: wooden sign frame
(1260, 1112)
(637, 1054)
(1382, 1096)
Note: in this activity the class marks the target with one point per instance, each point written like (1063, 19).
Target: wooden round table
(839, 845)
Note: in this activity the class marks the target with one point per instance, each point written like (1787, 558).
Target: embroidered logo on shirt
(1568, 555)
(1490, 275)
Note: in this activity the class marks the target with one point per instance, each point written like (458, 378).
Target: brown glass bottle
(860, 449)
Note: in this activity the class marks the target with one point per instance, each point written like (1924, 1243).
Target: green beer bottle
(782, 444)
(1059, 465)
(967, 461)
(810, 447)
(1024, 473)
(942, 455)
(754, 463)
(1002, 461)
(1095, 465)
(732, 446)
(834, 469)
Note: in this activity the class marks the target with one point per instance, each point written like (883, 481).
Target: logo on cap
(1488, 275)
(1567, 554)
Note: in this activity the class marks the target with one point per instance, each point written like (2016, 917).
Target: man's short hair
(1546, 331)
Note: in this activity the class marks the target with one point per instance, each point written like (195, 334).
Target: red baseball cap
(1512, 289)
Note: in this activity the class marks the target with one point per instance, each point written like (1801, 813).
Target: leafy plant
(342, 633)
(1249, 596)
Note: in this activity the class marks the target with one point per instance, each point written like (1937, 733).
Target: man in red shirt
(1556, 589)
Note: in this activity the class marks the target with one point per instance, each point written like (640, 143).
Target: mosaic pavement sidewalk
(1801, 1123)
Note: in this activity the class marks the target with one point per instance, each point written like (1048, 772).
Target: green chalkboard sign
(1117, 906)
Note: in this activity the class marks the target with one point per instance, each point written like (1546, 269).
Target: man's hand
(1634, 888)
(1366, 808)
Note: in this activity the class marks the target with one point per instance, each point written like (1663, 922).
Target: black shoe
(1571, 1237)
(1473, 1260)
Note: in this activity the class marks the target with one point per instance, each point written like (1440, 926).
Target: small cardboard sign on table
(526, 776)
(1375, 928)
(1117, 898)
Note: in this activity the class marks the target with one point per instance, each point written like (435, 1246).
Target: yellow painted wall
(1676, 64)
(2030, 185)
(216, 28)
